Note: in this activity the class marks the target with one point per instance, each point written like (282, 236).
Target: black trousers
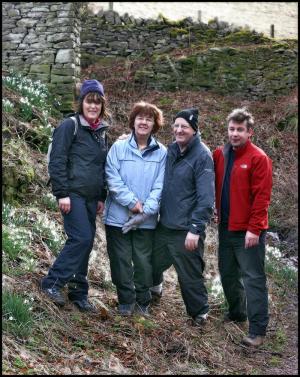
(130, 263)
(169, 250)
(71, 265)
(243, 278)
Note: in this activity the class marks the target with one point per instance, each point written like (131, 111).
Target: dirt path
(289, 360)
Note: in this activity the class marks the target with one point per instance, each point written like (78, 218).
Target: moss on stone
(18, 170)
(245, 36)
(175, 31)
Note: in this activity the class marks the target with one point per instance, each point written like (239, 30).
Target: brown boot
(253, 340)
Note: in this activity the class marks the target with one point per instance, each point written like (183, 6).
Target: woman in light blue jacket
(134, 173)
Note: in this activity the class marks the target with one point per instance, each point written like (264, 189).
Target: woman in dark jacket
(76, 170)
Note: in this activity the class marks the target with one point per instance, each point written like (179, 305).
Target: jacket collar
(237, 152)
(174, 147)
(151, 142)
(152, 145)
(84, 123)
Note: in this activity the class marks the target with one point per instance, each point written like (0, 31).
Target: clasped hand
(133, 222)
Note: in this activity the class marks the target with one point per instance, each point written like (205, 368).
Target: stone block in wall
(61, 6)
(31, 38)
(65, 14)
(118, 45)
(9, 46)
(41, 58)
(60, 29)
(13, 12)
(40, 68)
(16, 61)
(63, 21)
(39, 76)
(58, 37)
(65, 56)
(36, 15)
(66, 45)
(60, 88)
(34, 59)
(28, 22)
(63, 71)
(20, 29)
(134, 44)
(40, 46)
(39, 8)
(61, 79)
(15, 38)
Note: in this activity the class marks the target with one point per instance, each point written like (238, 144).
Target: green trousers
(243, 278)
(130, 263)
(169, 250)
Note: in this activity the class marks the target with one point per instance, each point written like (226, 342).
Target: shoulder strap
(74, 118)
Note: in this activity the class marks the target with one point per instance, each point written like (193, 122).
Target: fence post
(272, 31)
(199, 15)
(110, 6)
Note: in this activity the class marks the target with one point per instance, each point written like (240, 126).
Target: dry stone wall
(260, 68)
(52, 41)
(108, 34)
(256, 73)
(43, 41)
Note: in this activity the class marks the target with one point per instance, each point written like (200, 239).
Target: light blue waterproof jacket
(134, 175)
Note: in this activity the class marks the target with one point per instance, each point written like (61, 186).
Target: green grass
(17, 318)
(284, 276)
(13, 244)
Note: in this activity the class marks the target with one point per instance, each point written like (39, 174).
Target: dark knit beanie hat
(91, 86)
(190, 115)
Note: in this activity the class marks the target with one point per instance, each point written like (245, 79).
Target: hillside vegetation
(40, 338)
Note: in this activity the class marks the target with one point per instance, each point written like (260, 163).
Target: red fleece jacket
(250, 187)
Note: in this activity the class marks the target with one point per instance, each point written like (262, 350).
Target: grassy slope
(64, 341)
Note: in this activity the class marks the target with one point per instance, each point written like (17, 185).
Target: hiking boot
(156, 293)
(125, 309)
(155, 297)
(84, 306)
(55, 295)
(142, 310)
(228, 318)
(253, 340)
(200, 319)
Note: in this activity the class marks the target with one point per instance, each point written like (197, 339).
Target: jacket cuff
(102, 196)
(197, 229)
(132, 203)
(254, 231)
(61, 195)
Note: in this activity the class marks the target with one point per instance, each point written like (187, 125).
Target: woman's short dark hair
(147, 109)
(241, 115)
(97, 98)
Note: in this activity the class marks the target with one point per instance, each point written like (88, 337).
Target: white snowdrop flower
(26, 301)
(24, 100)
(30, 309)
(274, 251)
(11, 318)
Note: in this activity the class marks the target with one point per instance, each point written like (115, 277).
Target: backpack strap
(74, 119)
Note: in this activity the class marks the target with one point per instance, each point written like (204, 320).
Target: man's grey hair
(241, 115)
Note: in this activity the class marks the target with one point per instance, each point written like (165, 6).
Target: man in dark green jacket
(186, 207)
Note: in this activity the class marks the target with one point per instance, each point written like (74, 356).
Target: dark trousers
(71, 265)
(169, 250)
(130, 263)
(243, 278)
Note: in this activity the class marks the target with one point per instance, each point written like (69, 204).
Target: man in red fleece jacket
(243, 189)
